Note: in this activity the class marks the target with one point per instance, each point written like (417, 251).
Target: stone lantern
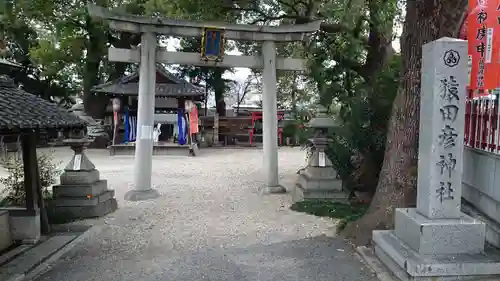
(318, 181)
(81, 193)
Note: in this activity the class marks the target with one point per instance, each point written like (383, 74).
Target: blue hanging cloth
(127, 124)
(180, 123)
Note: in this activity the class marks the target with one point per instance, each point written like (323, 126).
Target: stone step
(8, 256)
(307, 176)
(301, 194)
(35, 256)
(82, 200)
(82, 190)
(68, 213)
(5, 234)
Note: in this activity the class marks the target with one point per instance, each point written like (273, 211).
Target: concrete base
(79, 177)
(158, 149)
(83, 200)
(141, 195)
(64, 213)
(5, 236)
(439, 237)
(273, 189)
(319, 183)
(25, 226)
(408, 265)
(492, 227)
(80, 190)
(312, 189)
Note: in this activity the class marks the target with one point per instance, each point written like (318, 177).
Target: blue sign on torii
(212, 44)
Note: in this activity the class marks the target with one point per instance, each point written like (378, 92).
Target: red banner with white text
(483, 35)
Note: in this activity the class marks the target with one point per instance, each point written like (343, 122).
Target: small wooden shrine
(242, 128)
(171, 93)
(26, 115)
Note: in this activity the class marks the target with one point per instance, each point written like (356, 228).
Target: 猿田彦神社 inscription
(448, 137)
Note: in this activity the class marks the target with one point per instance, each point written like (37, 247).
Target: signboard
(212, 45)
(77, 163)
(483, 29)
(322, 159)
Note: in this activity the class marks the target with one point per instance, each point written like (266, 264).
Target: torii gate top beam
(184, 28)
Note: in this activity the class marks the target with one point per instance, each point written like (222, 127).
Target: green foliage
(62, 50)
(213, 10)
(365, 115)
(291, 128)
(14, 182)
(22, 33)
(325, 208)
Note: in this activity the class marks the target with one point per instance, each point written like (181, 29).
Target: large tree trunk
(94, 105)
(219, 86)
(426, 20)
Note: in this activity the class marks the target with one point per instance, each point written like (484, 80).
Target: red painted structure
(482, 115)
(482, 123)
(258, 116)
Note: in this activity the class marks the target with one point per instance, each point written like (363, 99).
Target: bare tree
(241, 90)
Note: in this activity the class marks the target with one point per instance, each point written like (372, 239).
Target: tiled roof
(21, 110)
(125, 86)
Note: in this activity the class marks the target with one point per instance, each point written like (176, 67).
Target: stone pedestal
(81, 193)
(436, 241)
(318, 181)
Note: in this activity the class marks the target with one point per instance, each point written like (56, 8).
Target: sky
(240, 74)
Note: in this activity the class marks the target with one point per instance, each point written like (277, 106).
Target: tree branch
(263, 15)
(290, 6)
(378, 41)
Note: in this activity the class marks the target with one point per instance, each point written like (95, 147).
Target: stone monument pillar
(81, 193)
(436, 241)
(318, 181)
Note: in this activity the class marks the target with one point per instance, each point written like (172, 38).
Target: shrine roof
(167, 85)
(21, 110)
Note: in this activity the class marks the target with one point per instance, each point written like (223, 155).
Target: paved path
(209, 224)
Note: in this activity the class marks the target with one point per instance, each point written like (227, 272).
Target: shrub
(325, 208)
(14, 182)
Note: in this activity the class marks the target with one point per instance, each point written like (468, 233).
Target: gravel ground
(210, 223)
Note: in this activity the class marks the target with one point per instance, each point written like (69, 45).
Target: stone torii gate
(213, 35)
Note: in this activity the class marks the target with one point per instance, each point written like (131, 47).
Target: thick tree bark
(92, 103)
(426, 20)
(219, 87)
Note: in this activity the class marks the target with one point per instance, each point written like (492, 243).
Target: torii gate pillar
(142, 189)
(270, 119)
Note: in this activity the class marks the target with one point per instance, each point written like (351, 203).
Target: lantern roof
(322, 120)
